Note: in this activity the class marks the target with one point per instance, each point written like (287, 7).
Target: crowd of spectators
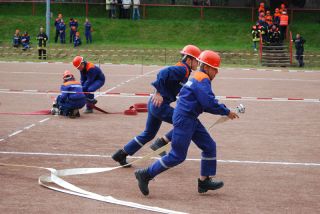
(74, 34)
(123, 9)
(271, 27)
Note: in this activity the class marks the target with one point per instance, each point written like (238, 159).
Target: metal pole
(48, 19)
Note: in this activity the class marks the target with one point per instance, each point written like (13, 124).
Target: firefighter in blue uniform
(25, 41)
(71, 99)
(77, 40)
(195, 97)
(92, 78)
(167, 86)
(16, 41)
(73, 24)
(88, 29)
(62, 31)
(56, 24)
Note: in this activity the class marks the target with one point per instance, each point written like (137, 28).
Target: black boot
(208, 184)
(121, 156)
(160, 142)
(143, 180)
(74, 113)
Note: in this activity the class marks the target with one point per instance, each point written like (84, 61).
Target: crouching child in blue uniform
(92, 78)
(77, 40)
(196, 97)
(71, 99)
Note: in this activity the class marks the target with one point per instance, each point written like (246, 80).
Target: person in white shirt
(126, 8)
(136, 12)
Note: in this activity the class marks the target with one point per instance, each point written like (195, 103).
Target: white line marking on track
(285, 163)
(28, 127)
(15, 133)
(44, 120)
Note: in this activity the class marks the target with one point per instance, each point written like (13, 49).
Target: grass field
(163, 28)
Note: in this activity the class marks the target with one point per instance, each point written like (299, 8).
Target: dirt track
(280, 138)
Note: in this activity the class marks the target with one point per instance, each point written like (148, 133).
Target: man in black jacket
(299, 43)
(42, 43)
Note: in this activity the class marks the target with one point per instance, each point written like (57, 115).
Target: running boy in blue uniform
(92, 78)
(195, 97)
(71, 99)
(167, 86)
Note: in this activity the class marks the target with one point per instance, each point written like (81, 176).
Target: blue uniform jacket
(90, 74)
(197, 96)
(56, 23)
(170, 81)
(77, 41)
(72, 93)
(87, 26)
(62, 27)
(73, 24)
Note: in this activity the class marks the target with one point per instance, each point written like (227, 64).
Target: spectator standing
(284, 22)
(283, 8)
(16, 41)
(77, 40)
(136, 12)
(62, 32)
(73, 24)
(113, 8)
(274, 35)
(25, 41)
(88, 30)
(126, 8)
(299, 44)
(268, 18)
(255, 31)
(276, 17)
(57, 26)
(108, 8)
(120, 8)
(42, 43)
(261, 8)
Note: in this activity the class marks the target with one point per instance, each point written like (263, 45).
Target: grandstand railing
(145, 5)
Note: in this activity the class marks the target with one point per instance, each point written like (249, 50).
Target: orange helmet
(77, 61)
(191, 50)
(67, 75)
(210, 58)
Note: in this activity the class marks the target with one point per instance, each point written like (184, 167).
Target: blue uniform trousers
(67, 106)
(92, 88)
(187, 128)
(155, 117)
(88, 36)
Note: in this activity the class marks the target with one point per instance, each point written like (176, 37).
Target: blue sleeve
(174, 73)
(207, 99)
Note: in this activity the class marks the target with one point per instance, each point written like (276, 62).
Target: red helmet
(210, 58)
(77, 61)
(191, 50)
(67, 75)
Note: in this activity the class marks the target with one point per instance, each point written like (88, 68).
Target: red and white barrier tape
(296, 99)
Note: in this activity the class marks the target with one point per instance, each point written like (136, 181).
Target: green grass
(163, 28)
